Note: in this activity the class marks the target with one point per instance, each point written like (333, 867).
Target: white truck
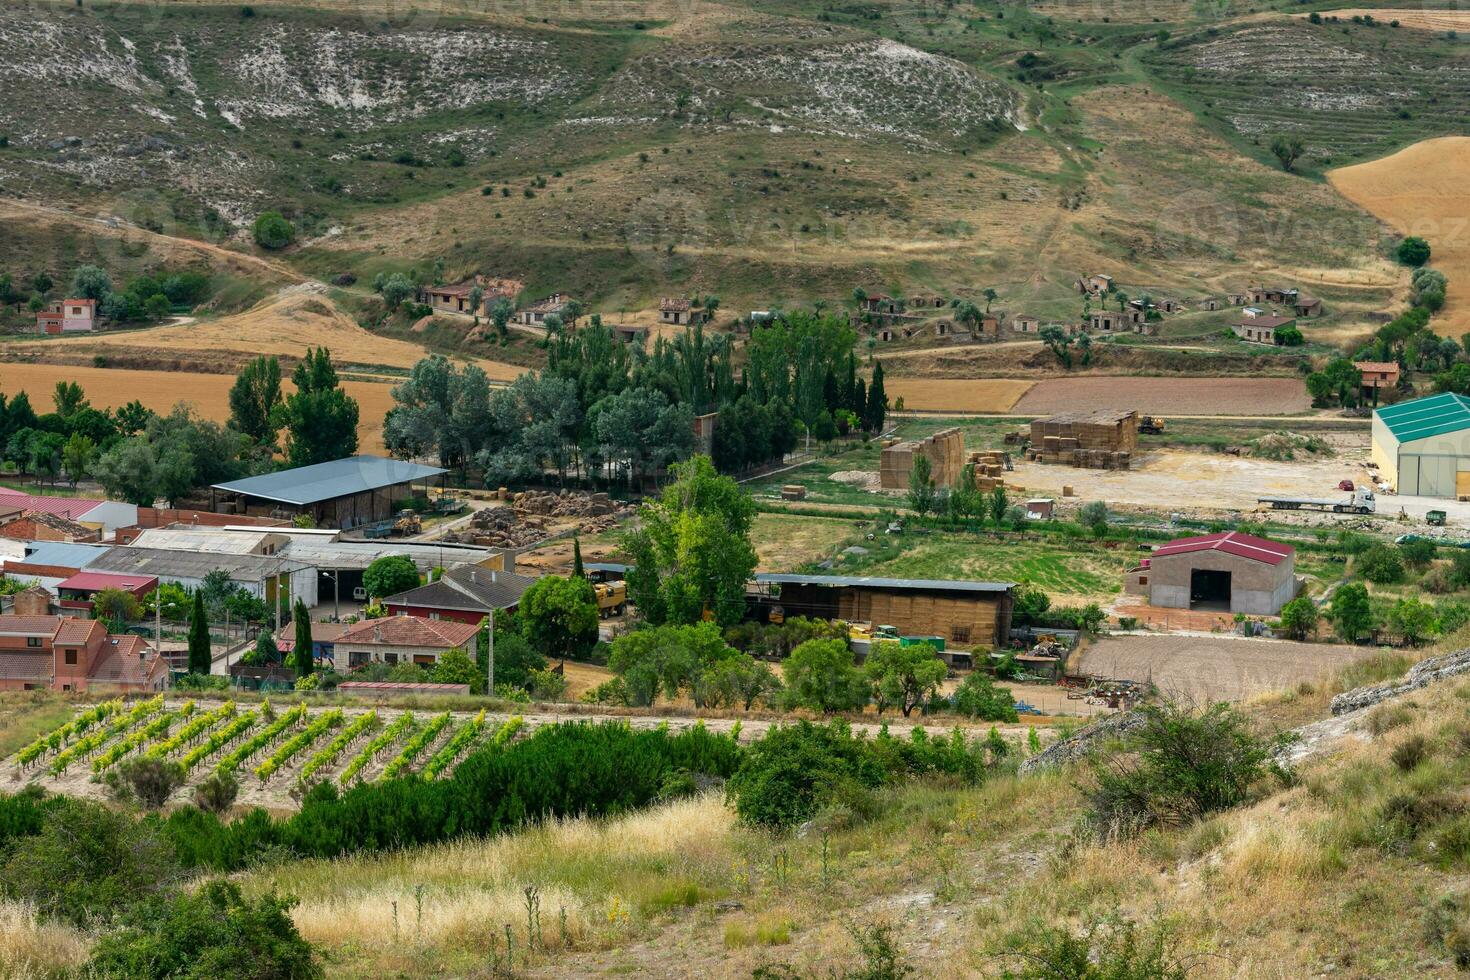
(1360, 501)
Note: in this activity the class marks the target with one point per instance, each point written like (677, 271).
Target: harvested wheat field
(1423, 190)
(1426, 20)
(285, 325)
(162, 390)
(955, 394)
(1168, 396)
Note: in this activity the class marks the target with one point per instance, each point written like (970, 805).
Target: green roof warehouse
(1422, 447)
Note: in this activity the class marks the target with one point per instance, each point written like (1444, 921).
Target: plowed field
(1168, 396)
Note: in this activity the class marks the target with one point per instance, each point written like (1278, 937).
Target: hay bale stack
(1095, 440)
(945, 451)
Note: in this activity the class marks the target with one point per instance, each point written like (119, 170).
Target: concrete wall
(1256, 588)
(1385, 452)
(1429, 467)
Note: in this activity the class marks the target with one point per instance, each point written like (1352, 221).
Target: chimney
(492, 576)
(377, 634)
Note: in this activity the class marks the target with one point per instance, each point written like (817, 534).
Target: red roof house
(403, 639)
(78, 591)
(67, 654)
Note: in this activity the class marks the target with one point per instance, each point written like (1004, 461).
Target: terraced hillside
(1350, 91)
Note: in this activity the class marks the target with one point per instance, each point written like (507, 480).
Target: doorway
(1209, 589)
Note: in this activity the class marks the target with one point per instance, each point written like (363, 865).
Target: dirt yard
(1206, 668)
(1423, 190)
(949, 394)
(1185, 480)
(1165, 396)
(162, 390)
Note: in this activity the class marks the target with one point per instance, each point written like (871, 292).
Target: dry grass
(162, 390)
(948, 394)
(610, 878)
(30, 948)
(1423, 190)
(1415, 17)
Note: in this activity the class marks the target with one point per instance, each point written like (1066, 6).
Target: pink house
(67, 316)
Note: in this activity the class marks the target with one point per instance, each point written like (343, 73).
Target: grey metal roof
(467, 588)
(62, 554)
(192, 565)
(361, 554)
(932, 584)
(328, 481)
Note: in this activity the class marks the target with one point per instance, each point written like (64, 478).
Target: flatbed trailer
(1356, 504)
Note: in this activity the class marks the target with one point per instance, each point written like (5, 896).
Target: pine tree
(199, 652)
(301, 655)
(577, 570)
(877, 408)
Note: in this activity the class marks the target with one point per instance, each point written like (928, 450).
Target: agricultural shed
(48, 562)
(966, 614)
(467, 594)
(1422, 447)
(1226, 571)
(258, 574)
(343, 493)
(76, 593)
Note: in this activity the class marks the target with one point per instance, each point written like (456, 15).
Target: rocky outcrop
(1422, 674)
(1080, 743)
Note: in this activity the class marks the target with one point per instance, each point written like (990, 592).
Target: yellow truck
(612, 598)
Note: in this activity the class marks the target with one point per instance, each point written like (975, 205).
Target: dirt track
(1213, 668)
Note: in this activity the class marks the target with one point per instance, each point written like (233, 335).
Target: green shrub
(272, 230)
(215, 933)
(1380, 565)
(1179, 766)
(787, 776)
(978, 697)
(1105, 948)
(1413, 251)
(1418, 553)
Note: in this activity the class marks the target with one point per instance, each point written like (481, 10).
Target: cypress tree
(877, 401)
(301, 655)
(859, 404)
(199, 653)
(577, 570)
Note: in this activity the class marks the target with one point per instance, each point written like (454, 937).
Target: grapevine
(338, 745)
(220, 739)
(322, 724)
(55, 739)
(192, 730)
(260, 740)
(456, 745)
(156, 728)
(420, 741)
(90, 743)
(381, 741)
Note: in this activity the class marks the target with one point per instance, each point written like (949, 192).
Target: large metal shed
(1422, 447)
(1226, 571)
(343, 493)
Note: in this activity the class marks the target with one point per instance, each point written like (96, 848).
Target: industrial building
(343, 493)
(965, 614)
(1422, 447)
(1228, 571)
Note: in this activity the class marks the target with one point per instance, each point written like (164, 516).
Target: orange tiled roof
(410, 631)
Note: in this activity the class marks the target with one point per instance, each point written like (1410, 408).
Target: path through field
(1423, 190)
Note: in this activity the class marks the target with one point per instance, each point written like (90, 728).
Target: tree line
(604, 408)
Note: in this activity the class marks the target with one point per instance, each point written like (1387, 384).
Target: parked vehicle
(1346, 485)
(1361, 502)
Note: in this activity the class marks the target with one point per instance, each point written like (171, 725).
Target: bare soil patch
(1193, 396)
(1427, 20)
(1424, 190)
(1211, 668)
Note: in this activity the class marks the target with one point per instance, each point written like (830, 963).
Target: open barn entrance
(1209, 589)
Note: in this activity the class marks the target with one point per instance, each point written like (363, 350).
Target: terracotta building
(66, 654)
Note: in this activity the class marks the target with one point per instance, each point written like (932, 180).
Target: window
(1143, 580)
(71, 658)
(390, 658)
(357, 658)
(959, 634)
(33, 641)
(425, 659)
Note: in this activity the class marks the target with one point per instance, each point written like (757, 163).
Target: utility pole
(490, 653)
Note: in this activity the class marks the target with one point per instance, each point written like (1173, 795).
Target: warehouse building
(1228, 572)
(965, 614)
(343, 493)
(1422, 447)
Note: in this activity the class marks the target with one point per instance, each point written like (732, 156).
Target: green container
(936, 641)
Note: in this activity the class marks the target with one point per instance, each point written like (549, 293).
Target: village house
(1237, 299)
(67, 316)
(1378, 377)
(1272, 294)
(1024, 323)
(76, 594)
(680, 311)
(990, 325)
(925, 301)
(466, 594)
(404, 639)
(1307, 306)
(1212, 303)
(37, 525)
(1131, 320)
(1262, 329)
(535, 315)
(1094, 285)
(456, 298)
(630, 333)
(61, 653)
(1252, 311)
(882, 303)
